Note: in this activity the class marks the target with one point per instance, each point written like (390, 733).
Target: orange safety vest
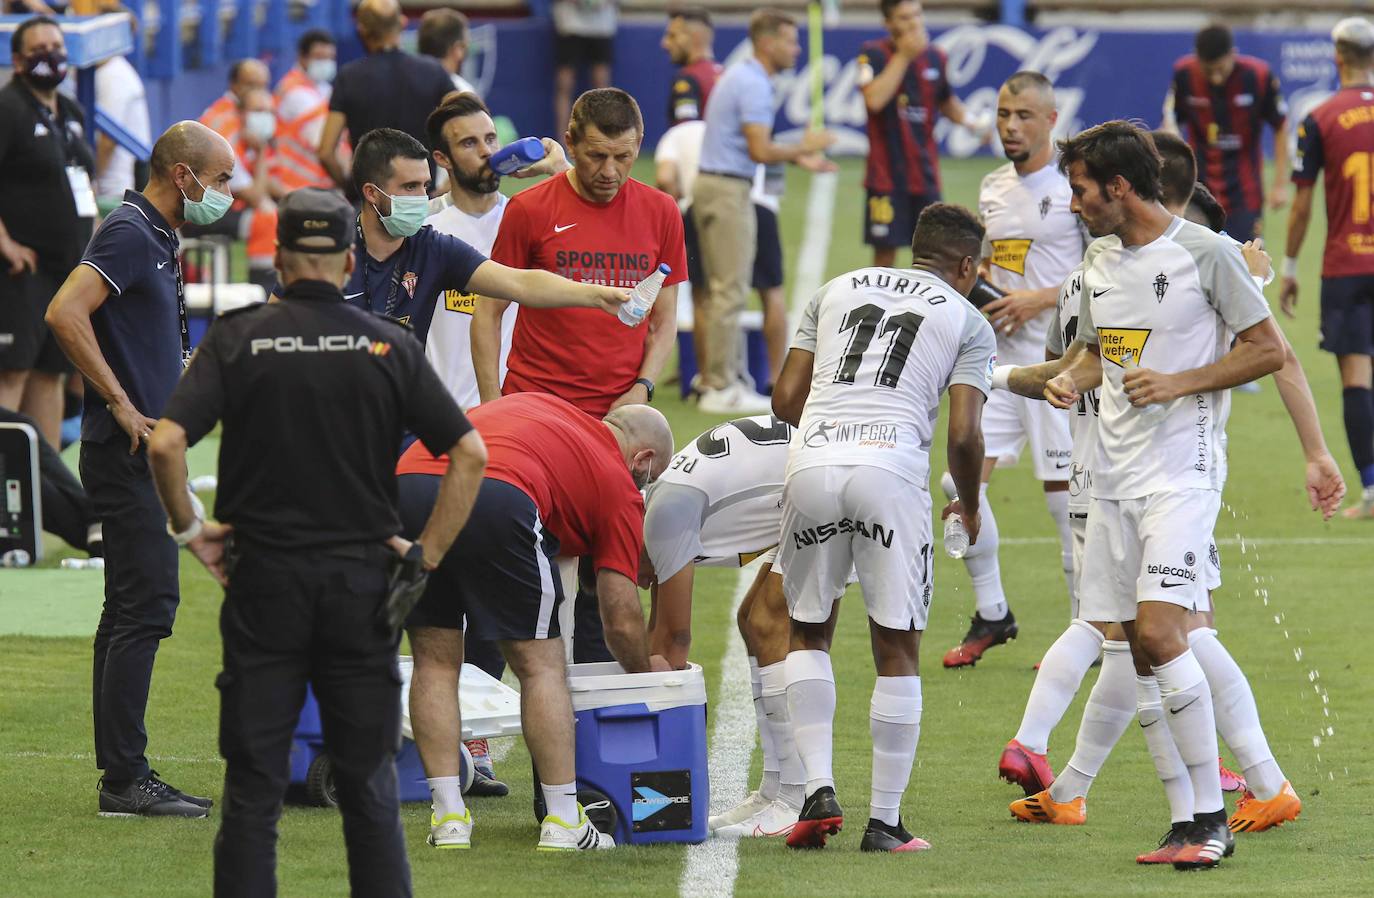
(224, 118)
(296, 161)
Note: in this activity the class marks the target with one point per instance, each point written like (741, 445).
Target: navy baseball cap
(311, 220)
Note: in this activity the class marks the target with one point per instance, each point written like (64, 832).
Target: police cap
(311, 220)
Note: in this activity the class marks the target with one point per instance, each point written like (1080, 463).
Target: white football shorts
(1152, 549)
(858, 517)
(1010, 421)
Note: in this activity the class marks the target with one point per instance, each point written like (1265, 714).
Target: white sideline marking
(712, 866)
(88, 756)
(815, 245)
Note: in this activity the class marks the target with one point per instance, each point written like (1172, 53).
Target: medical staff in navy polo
(121, 319)
(401, 263)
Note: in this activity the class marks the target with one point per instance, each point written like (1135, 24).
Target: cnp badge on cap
(311, 220)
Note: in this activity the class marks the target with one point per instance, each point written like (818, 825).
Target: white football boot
(750, 807)
(775, 820)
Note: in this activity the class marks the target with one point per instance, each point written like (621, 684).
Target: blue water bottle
(514, 156)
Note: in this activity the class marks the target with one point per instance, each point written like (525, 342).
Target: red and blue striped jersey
(1225, 126)
(902, 155)
(1339, 137)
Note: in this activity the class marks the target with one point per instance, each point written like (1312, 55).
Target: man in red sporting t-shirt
(595, 225)
(1339, 137)
(558, 482)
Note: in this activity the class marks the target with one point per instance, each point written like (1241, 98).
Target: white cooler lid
(605, 684)
(490, 707)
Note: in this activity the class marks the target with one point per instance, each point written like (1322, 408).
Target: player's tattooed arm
(1082, 372)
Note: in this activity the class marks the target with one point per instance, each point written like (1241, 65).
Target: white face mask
(321, 71)
(262, 124)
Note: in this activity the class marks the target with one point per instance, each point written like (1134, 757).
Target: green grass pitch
(1292, 610)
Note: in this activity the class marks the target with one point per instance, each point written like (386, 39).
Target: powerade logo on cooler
(662, 800)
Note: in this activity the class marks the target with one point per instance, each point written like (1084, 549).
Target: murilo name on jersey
(887, 343)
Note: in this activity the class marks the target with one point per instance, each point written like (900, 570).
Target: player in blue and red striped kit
(905, 89)
(1220, 102)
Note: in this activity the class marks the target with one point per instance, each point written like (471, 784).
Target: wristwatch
(648, 385)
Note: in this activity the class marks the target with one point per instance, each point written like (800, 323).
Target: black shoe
(982, 635)
(147, 797)
(1206, 842)
(881, 837)
(820, 818)
(484, 785)
(206, 803)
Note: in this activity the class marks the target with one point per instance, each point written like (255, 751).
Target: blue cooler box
(641, 740)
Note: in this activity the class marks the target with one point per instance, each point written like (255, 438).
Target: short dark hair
(610, 109)
(1115, 148)
(1210, 208)
(311, 38)
(1025, 78)
(440, 29)
(1213, 42)
(17, 39)
(698, 14)
(887, 6)
(1177, 168)
(768, 21)
(373, 155)
(948, 231)
(455, 105)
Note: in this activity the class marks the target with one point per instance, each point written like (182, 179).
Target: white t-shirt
(449, 345)
(119, 93)
(720, 501)
(887, 343)
(681, 144)
(1170, 306)
(1033, 242)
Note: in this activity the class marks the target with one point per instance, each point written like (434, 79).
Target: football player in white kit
(464, 136)
(1033, 242)
(1162, 292)
(719, 504)
(1269, 799)
(872, 355)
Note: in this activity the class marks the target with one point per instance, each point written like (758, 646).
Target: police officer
(314, 396)
(121, 319)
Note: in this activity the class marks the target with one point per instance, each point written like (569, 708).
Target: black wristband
(648, 385)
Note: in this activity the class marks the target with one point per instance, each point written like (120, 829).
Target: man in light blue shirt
(739, 136)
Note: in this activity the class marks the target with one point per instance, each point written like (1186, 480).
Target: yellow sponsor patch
(682, 86)
(746, 557)
(1011, 254)
(1123, 346)
(460, 302)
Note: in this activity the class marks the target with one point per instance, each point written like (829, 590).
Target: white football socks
(894, 721)
(983, 567)
(446, 796)
(768, 786)
(778, 722)
(811, 704)
(1061, 672)
(1173, 773)
(1058, 503)
(561, 801)
(1110, 708)
(1237, 716)
(1187, 698)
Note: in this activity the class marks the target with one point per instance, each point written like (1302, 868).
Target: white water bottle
(642, 297)
(956, 537)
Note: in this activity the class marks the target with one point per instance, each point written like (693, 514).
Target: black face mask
(45, 70)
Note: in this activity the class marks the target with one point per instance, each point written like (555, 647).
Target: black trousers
(141, 596)
(67, 509)
(291, 618)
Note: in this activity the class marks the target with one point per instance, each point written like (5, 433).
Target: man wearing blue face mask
(402, 263)
(121, 319)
